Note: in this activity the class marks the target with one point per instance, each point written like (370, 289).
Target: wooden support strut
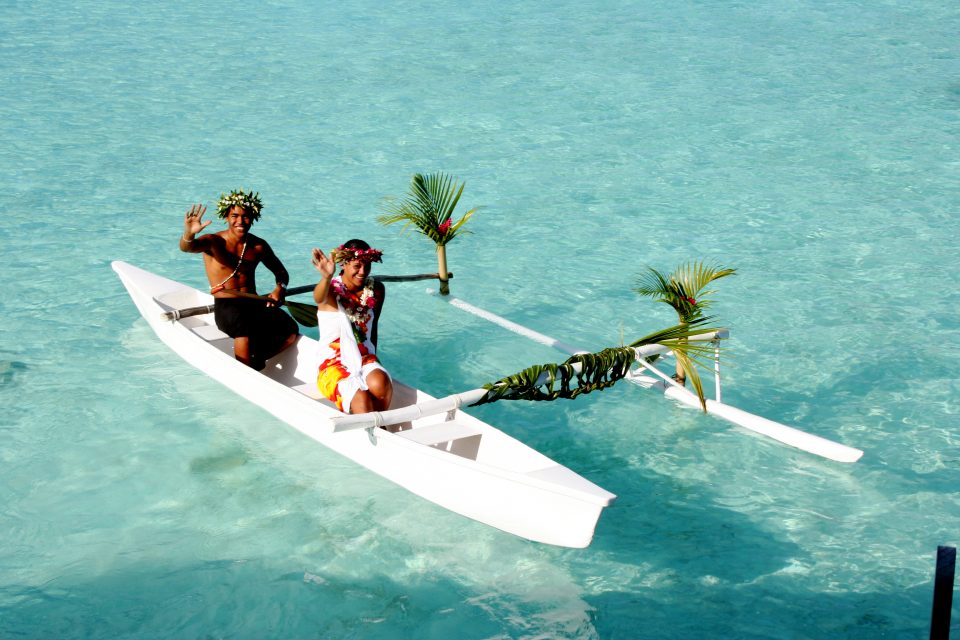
(348, 422)
(292, 291)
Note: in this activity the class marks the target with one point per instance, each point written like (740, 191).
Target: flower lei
(237, 198)
(359, 308)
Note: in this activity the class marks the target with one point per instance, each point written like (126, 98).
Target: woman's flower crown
(345, 254)
(237, 198)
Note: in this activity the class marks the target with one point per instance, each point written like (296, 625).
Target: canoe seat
(454, 437)
(210, 332)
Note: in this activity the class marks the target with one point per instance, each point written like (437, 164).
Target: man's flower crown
(237, 198)
(345, 254)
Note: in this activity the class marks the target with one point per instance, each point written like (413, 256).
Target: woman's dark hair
(355, 244)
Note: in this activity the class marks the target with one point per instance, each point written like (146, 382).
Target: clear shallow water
(813, 146)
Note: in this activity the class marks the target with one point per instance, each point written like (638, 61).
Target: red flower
(443, 228)
(691, 301)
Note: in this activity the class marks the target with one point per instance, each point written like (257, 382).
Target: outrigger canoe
(431, 447)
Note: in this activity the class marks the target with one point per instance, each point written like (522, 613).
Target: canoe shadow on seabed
(272, 597)
(10, 371)
(240, 466)
(772, 608)
(682, 557)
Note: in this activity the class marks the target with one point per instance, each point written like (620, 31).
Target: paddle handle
(176, 314)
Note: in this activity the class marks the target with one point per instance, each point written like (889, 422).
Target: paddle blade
(305, 314)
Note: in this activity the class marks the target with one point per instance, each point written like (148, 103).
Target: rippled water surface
(811, 145)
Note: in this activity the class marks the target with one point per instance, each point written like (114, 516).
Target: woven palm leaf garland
(599, 370)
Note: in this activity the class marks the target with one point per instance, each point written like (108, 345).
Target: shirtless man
(259, 330)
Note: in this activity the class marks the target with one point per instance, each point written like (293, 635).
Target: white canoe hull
(451, 459)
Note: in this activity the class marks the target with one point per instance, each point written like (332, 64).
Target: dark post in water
(943, 593)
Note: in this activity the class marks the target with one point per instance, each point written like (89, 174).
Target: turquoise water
(812, 145)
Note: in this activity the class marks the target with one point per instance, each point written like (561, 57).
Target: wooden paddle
(305, 314)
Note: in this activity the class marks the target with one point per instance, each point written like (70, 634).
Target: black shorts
(267, 327)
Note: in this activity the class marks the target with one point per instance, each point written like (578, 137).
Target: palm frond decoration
(685, 291)
(587, 372)
(684, 288)
(428, 208)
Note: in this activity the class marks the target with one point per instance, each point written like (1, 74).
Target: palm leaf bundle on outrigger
(585, 372)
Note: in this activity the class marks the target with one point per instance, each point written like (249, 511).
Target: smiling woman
(348, 310)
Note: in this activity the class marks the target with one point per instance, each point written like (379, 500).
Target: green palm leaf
(684, 289)
(598, 370)
(428, 207)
